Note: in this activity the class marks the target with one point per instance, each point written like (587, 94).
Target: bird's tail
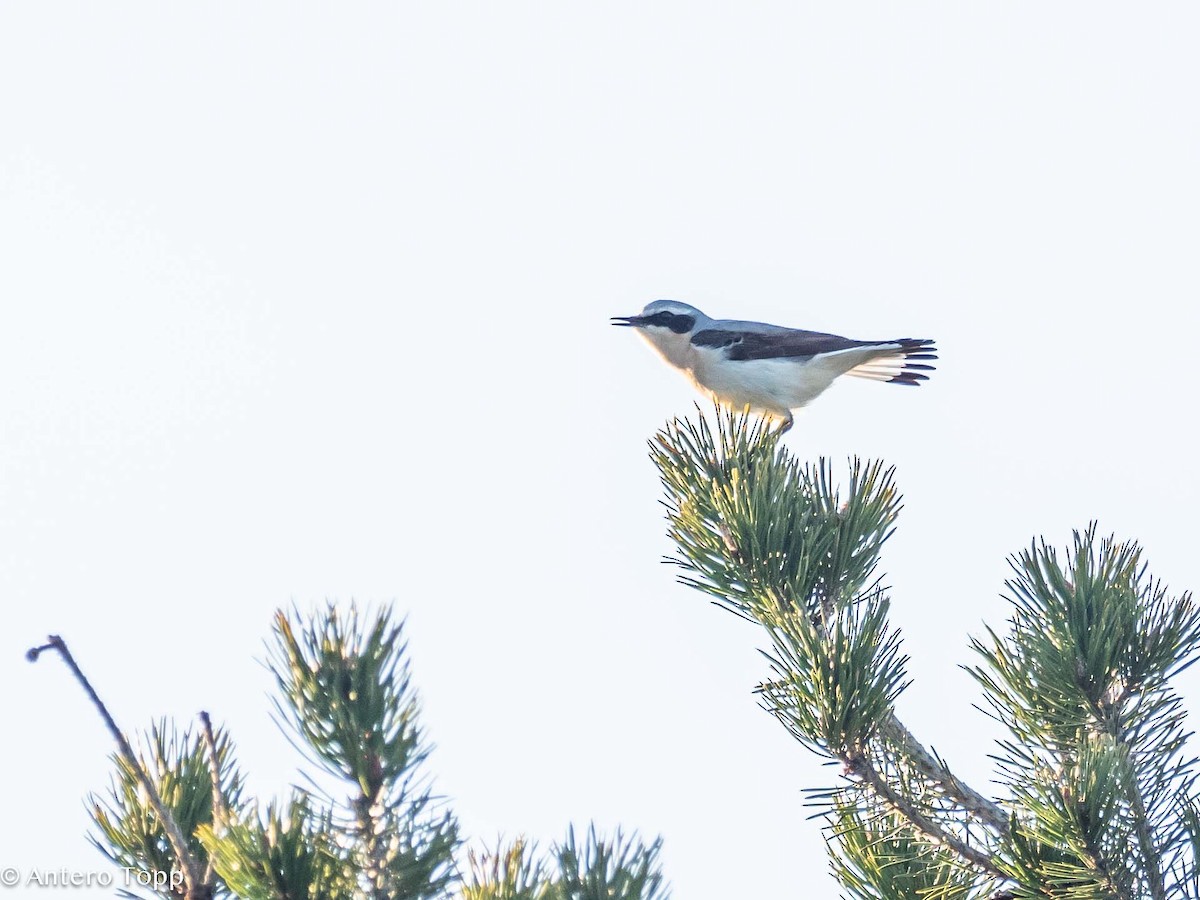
(904, 361)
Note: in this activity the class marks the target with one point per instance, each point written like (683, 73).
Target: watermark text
(51, 878)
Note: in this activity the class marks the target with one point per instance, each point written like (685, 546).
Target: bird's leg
(786, 424)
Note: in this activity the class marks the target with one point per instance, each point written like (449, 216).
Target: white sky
(310, 301)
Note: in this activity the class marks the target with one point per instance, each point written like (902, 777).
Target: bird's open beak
(626, 320)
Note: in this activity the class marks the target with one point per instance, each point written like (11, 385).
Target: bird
(768, 368)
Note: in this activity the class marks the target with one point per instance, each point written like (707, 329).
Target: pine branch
(375, 847)
(1082, 681)
(197, 885)
(345, 691)
(881, 856)
(860, 765)
(897, 735)
(219, 807)
(1137, 805)
(290, 850)
(779, 543)
(1154, 875)
(937, 774)
(511, 872)
(616, 868)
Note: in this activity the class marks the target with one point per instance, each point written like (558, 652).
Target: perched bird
(768, 368)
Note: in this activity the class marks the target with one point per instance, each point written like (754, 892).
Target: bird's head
(664, 318)
(667, 324)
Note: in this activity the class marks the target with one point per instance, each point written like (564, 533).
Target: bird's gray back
(742, 340)
(761, 328)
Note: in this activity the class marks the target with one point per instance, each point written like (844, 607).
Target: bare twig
(197, 885)
(220, 809)
(219, 806)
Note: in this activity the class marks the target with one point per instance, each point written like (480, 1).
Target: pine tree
(177, 813)
(1100, 797)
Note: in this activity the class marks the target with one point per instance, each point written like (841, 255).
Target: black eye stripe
(677, 322)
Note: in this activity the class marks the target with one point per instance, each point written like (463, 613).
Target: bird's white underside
(773, 386)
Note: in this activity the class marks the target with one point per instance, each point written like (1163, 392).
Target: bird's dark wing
(791, 343)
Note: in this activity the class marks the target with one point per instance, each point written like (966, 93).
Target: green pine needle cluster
(507, 873)
(1097, 755)
(345, 689)
(880, 858)
(834, 681)
(288, 851)
(620, 869)
(346, 698)
(130, 833)
(600, 869)
(757, 529)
